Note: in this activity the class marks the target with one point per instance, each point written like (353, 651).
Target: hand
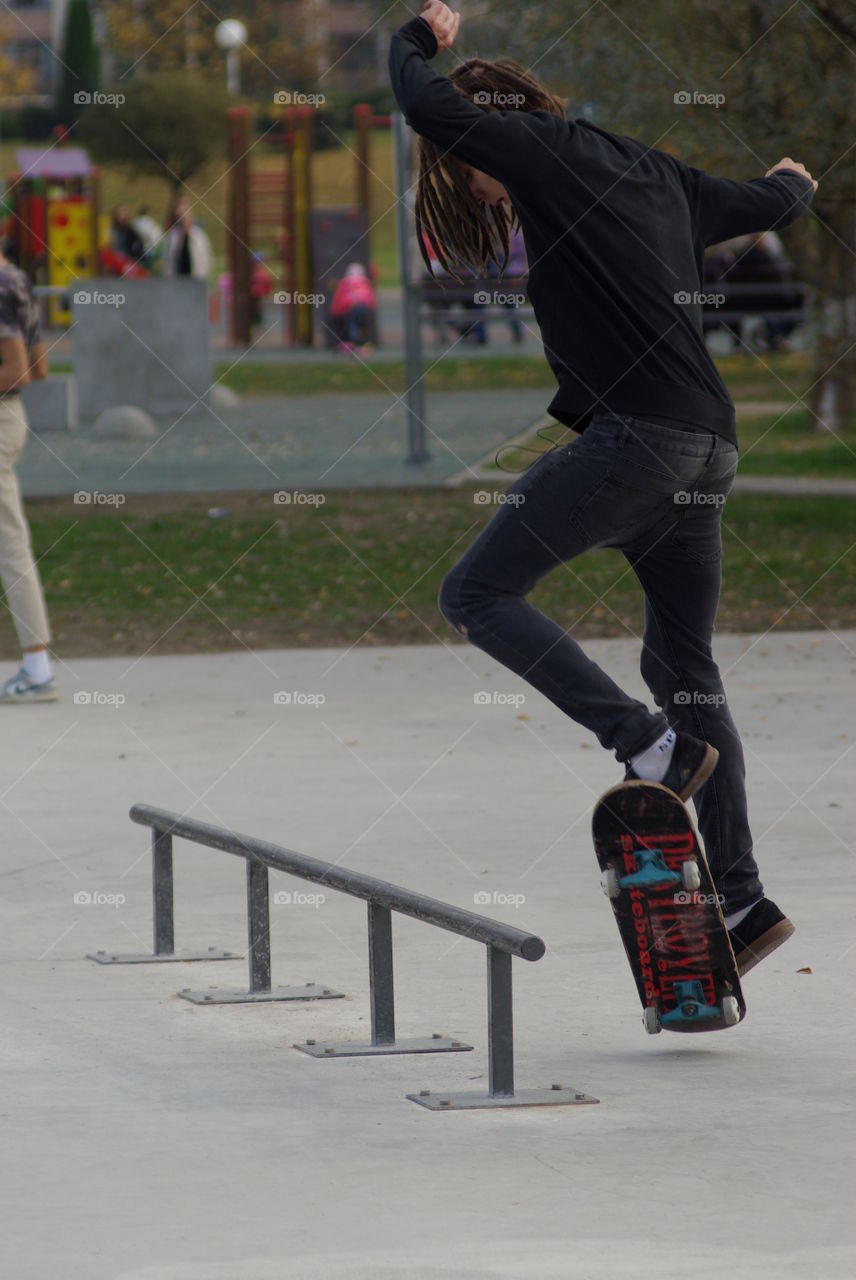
(788, 163)
(442, 22)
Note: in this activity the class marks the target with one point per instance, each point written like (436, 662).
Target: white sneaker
(20, 688)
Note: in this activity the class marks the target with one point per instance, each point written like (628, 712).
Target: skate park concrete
(146, 1138)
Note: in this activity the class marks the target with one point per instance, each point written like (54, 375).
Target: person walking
(22, 359)
(615, 233)
(186, 247)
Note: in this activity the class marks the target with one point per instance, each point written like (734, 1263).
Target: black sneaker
(759, 933)
(692, 763)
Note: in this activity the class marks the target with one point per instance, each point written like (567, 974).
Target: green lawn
(452, 373)
(271, 577)
(774, 444)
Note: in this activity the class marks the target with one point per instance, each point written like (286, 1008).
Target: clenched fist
(442, 22)
(788, 163)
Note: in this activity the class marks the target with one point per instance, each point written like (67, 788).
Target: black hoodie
(615, 234)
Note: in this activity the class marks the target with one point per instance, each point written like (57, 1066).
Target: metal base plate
(310, 991)
(351, 1049)
(557, 1096)
(213, 953)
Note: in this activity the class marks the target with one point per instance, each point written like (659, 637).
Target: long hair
(462, 232)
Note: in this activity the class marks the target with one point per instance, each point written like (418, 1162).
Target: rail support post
(382, 1001)
(500, 1031)
(162, 896)
(500, 1048)
(381, 992)
(162, 916)
(258, 949)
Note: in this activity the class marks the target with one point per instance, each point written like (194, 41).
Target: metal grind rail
(502, 941)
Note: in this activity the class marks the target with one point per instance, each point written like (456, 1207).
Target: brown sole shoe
(755, 952)
(706, 767)
(692, 763)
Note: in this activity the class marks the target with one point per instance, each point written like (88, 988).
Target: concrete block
(141, 342)
(51, 404)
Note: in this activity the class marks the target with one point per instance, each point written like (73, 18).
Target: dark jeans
(656, 493)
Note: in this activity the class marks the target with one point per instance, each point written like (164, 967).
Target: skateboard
(668, 913)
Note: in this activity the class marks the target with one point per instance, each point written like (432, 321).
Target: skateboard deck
(668, 913)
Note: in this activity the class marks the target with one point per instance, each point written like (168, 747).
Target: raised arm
(504, 144)
(724, 208)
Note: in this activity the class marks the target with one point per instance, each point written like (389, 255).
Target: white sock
(652, 763)
(737, 916)
(38, 666)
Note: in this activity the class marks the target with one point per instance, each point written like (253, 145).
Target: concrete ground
(146, 1138)
(329, 441)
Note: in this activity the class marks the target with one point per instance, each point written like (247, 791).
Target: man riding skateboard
(615, 233)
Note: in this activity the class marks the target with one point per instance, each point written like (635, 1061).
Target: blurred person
(186, 247)
(150, 232)
(22, 360)
(353, 308)
(515, 267)
(124, 238)
(657, 449)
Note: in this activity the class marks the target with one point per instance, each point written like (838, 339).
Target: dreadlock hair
(462, 232)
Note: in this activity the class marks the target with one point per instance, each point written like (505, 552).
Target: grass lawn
(774, 444)
(366, 567)
(777, 378)
(452, 373)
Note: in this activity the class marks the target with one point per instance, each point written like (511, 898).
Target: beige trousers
(18, 572)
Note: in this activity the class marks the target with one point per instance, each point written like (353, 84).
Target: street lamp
(230, 35)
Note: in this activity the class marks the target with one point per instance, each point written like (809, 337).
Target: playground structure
(52, 213)
(271, 212)
(502, 941)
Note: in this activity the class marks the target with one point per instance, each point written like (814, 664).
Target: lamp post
(230, 35)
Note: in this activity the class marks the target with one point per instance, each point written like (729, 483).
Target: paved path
(324, 441)
(145, 1138)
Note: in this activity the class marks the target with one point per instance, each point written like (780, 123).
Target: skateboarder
(615, 234)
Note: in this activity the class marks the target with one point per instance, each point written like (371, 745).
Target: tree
(79, 65)
(167, 35)
(169, 124)
(17, 75)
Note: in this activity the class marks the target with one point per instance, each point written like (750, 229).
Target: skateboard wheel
(730, 1010)
(651, 1020)
(609, 883)
(691, 875)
